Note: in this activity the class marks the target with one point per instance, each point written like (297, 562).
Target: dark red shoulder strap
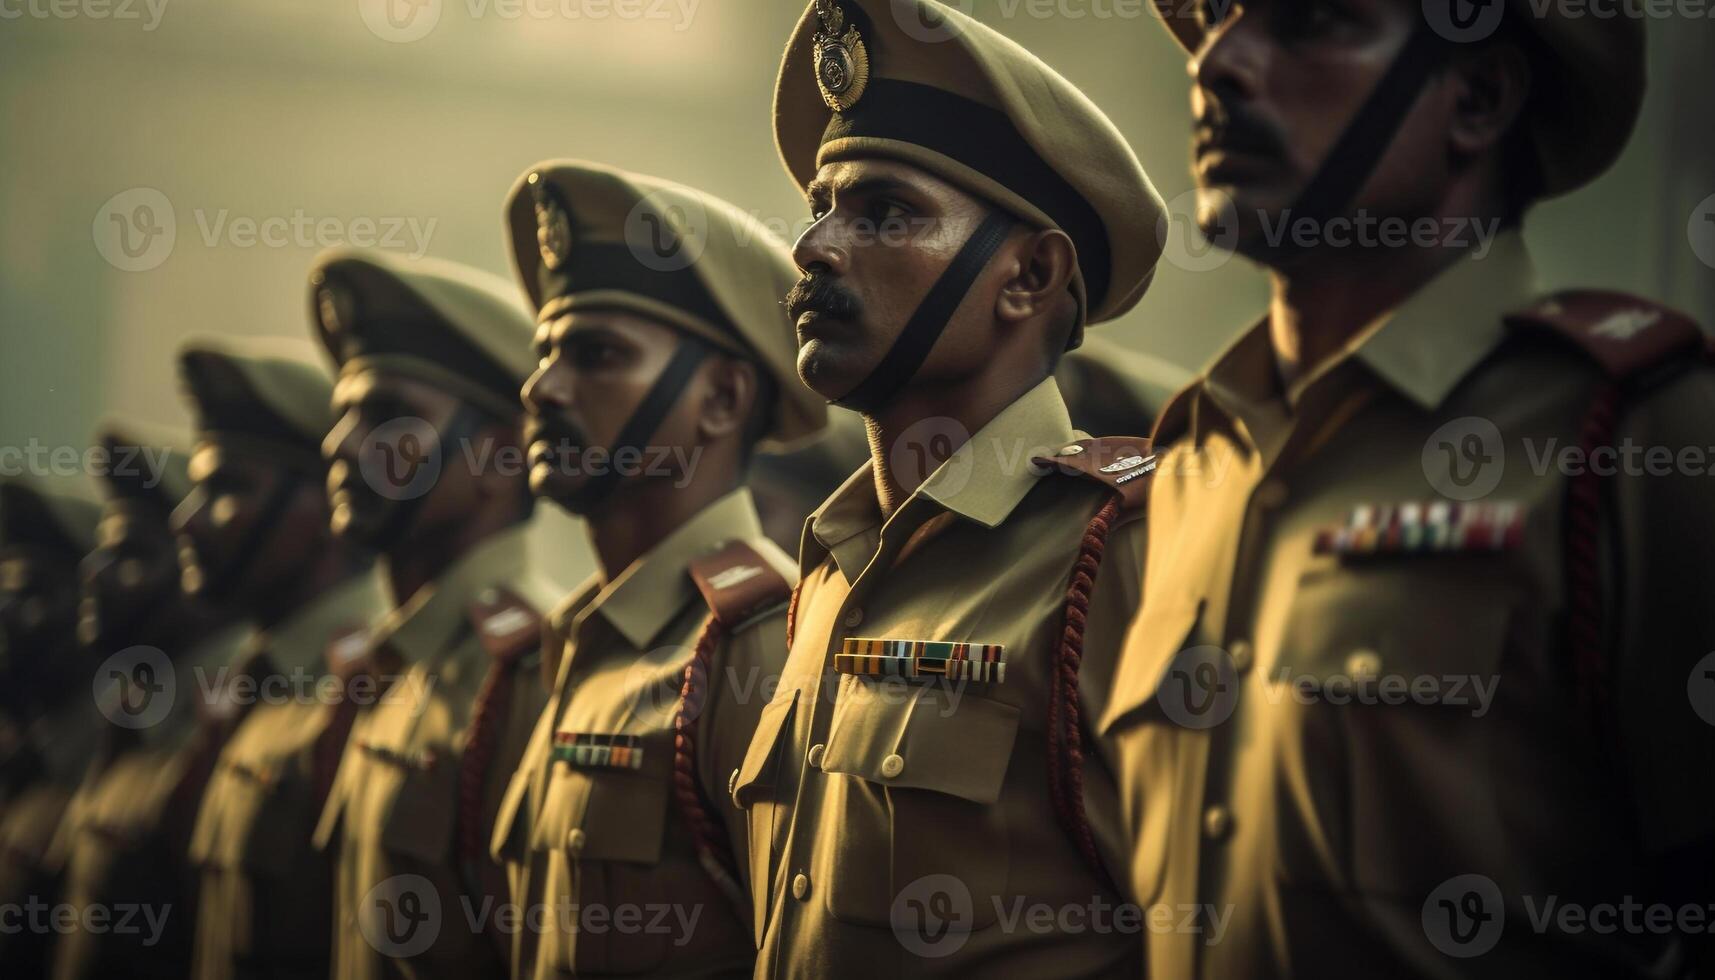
(738, 583)
(1123, 464)
(1627, 336)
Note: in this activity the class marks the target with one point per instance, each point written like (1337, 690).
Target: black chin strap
(926, 325)
(634, 436)
(464, 424)
(1366, 138)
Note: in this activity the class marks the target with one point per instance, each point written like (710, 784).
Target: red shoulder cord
(493, 704)
(1065, 707)
(713, 850)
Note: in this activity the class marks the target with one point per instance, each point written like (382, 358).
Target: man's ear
(1044, 264)
(1490, 89)
(731, 393)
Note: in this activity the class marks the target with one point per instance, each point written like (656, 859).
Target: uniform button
(854, 616)
(1071, 450)
(1364, 665)
(1271, 494)
(816, 755)
(892, 766)
(575, 839)
(1243, 655)
(800, 886)
(1217, 822)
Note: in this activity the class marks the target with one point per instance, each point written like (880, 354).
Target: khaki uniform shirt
(904, 828)
(1377, 766)
(65, 743)
(405, 901)
(603, 852)
(264, 908)
(126, 832)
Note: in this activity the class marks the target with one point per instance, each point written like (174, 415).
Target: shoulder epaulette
(507, 626)
(1627, 336)
(1120, 463)
(738, 583)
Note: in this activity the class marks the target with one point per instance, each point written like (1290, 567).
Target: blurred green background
(241, 111)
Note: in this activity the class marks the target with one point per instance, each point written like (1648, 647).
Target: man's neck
(903, 452)
(331, 566)
(1322, 299)
(422, 558)
(634, 519)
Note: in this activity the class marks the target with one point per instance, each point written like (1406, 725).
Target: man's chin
(559, 489)
(827, 370)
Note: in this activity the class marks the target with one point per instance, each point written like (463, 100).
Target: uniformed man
(425, 465)
(664, 364)
(254, 533)
(1408, 691)
(918, 791)
(153, 650)
(50, 721)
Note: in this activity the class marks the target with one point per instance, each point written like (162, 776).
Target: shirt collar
(420, 629)
(983, 480)
(301, 641)
(1422, 348)
(644, 598)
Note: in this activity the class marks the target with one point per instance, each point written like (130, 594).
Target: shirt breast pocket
(603, 829)
(419, 816)
(913, 779)
(1382, 731)
(255, 818)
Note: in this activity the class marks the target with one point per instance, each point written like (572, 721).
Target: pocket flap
(608, 813)
(927, 741)
(761, 760)
(420, 816)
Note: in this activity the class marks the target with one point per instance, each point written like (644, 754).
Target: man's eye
(590, 356)
(885, 210)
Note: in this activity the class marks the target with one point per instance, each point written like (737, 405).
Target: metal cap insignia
(841, 59)
(336, 308)
(553, 227)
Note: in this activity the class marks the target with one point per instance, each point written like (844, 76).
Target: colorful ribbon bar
(922, 658)
(598, 751)
(1439, 527)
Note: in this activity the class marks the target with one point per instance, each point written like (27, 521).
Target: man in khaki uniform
(154, 651)
(426, 467)
(617, 826)
(50, 723)
(254, 533)
(920, 802)
(1415, 689)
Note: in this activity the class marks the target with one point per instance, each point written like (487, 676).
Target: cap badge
(334, 305)
(553, 227)
(842, 60)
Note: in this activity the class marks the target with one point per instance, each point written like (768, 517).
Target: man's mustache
(1236, 129)
(819, 292)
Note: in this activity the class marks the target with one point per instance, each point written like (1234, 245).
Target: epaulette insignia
(922, 659)
(1120, 463)
(1439, 527)
(508, 626)
(345, 651)
(1625, 335)
(587, 751)
(738, 583)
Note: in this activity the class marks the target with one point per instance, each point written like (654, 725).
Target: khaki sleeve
(747, 670)
(1662, 680)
